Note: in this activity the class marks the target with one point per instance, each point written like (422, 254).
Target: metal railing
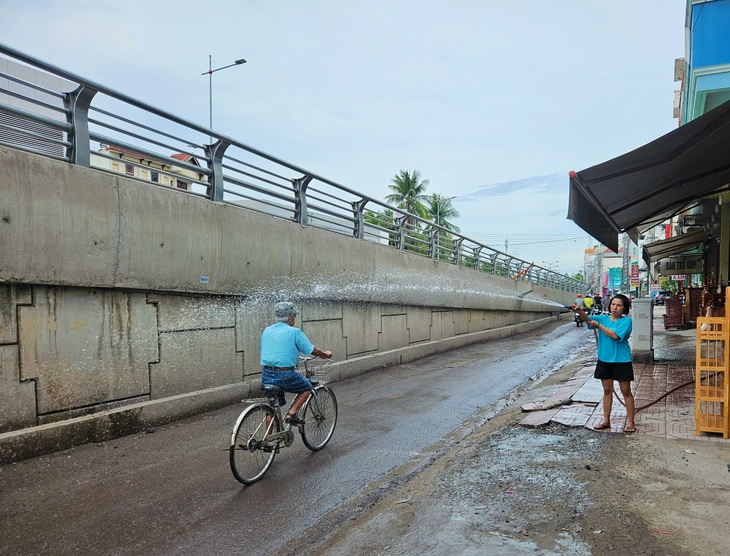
(150, 144)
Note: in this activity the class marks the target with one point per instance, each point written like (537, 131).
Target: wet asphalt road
(170, 491)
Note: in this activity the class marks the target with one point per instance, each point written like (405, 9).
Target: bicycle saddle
(273, 388)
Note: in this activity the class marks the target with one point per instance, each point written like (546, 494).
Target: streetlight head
(241, 61)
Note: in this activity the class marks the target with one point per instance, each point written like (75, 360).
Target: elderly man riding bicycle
(281, 344)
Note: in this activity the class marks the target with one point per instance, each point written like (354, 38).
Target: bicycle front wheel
(320, 418)
(251, 454)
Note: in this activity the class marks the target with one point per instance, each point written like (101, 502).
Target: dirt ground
(507, 489)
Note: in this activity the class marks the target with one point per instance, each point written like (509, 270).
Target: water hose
(660, 398)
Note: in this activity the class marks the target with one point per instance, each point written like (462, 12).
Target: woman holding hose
(614, 357)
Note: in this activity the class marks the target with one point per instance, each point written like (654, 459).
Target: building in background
(704, 72)
(30, 130)
(689, 247)
(694, 252)
(678, 182)
(694, 233)
(704, 77)
(603, 269)
(136, 165)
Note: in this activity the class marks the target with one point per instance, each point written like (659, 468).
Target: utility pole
(625, 266)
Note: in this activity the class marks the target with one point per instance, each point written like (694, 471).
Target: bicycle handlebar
(310, 357)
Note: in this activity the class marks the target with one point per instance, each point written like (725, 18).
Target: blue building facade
(706, 69)
(681, 178)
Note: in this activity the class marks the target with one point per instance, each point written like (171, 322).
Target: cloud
(476, 95)
(551, 184)
(526, 218)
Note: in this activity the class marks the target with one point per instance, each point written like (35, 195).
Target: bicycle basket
(320, 371)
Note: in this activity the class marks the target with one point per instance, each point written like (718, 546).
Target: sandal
(293, 419)
(602, 426)
(629, 430)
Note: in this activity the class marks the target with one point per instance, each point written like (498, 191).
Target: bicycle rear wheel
(250, 455)
(320, 416)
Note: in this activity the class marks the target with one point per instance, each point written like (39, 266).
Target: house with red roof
(144, 167)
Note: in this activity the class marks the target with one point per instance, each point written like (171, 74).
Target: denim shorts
(289, 381)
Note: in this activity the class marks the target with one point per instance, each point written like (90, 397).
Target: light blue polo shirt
(610, 350)
(281, 345)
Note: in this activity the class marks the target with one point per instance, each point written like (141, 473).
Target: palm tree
(409, 194)
(440, 210)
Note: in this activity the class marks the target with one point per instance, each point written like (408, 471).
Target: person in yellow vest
(588, 302)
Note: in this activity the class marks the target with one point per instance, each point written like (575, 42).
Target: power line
(546, 241)
(533, 235)
(527, 239)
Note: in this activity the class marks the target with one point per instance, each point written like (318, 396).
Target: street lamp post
(550, 271)
(210, 73)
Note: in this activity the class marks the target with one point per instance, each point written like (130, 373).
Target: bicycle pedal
(294, 421)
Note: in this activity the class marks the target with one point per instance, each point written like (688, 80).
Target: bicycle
(258, 434)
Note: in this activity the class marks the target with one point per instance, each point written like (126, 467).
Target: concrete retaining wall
(125, 305)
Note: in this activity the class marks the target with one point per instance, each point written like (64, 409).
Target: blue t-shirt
(610, 350)
(281, 345)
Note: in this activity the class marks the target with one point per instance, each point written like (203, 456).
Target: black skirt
(617, 371)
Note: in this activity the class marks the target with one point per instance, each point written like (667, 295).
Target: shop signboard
(614, 278)
(687, 264)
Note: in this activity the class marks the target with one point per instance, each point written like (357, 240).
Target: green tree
(667, 284)
(386, 220)
(440, 210)
(500, 269)
(468, 261)
(409, 194)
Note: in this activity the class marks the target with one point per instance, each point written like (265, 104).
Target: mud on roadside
(506, 489)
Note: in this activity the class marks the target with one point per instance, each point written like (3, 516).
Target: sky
(491, 101)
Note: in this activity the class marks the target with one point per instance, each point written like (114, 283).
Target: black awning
(675, 245)
(628, 193)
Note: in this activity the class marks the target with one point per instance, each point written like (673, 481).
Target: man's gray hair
(284, 310)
